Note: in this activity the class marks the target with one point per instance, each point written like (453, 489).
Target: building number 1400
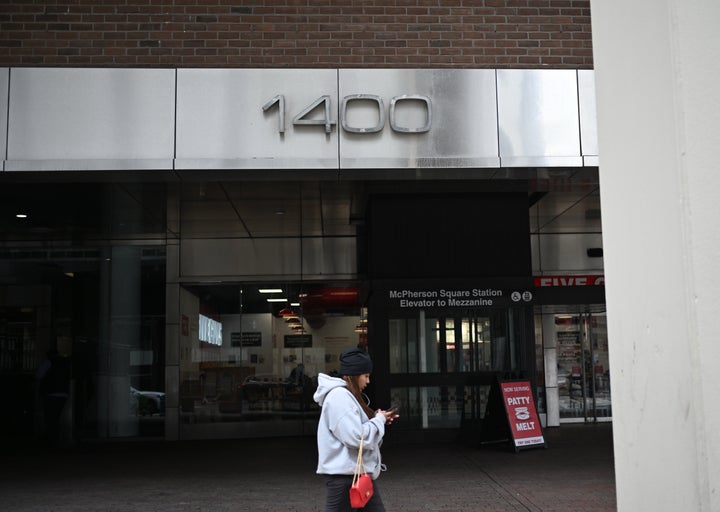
(303, 117)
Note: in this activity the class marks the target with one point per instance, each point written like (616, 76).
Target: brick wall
(297, 33)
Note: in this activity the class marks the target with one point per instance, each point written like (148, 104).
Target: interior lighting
(279, 299)
(270, 290)
(21, 215)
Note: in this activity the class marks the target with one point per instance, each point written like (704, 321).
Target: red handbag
(361, 489)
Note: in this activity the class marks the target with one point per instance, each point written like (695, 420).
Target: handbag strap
(359, 466)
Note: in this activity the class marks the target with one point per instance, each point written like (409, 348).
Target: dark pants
(52, 411)
(338, 495)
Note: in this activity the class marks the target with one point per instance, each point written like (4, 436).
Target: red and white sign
(521, 413)
(594, 280)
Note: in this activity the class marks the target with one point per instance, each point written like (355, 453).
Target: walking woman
(344, 420)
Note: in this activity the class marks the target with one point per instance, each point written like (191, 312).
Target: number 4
(300, 118)
(303, 116)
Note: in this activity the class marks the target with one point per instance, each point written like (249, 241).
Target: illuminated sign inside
(210, 331)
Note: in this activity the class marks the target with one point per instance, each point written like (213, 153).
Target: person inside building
(53, 378)
(346, 418)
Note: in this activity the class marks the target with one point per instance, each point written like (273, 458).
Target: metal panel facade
(588, 117)
(323, 119)
(538, 118)
(460, 116)
(90, 119)
(222, 124)
(4, 83)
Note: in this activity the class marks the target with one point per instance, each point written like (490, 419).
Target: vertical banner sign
(521, 413)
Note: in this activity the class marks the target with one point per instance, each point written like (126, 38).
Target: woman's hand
(390, 415)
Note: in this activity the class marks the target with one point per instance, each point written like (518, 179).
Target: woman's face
(363, 380)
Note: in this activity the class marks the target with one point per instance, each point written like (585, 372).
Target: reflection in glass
(461, 344)
(583, 374)
(263, 368)
(100, 310)
(432, 407)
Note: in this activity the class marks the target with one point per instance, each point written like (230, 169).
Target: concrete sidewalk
(575, 473)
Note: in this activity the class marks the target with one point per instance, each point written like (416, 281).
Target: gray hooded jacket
(342, 422)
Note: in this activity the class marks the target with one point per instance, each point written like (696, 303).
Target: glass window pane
(400, 361)
(436, 407)
(453, 345)
(100, 312)
(540, 364)
(264, 365)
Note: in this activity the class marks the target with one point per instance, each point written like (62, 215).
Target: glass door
(443, 366)
(583, 372)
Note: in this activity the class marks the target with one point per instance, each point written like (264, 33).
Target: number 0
(411, 97)
(363, 97)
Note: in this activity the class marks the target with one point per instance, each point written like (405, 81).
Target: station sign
(457, 297)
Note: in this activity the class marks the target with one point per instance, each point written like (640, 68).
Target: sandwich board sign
(522, 416)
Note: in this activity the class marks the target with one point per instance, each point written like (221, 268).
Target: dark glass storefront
(443, 361)
(206, 309)
(82, 285)
(450, 302)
